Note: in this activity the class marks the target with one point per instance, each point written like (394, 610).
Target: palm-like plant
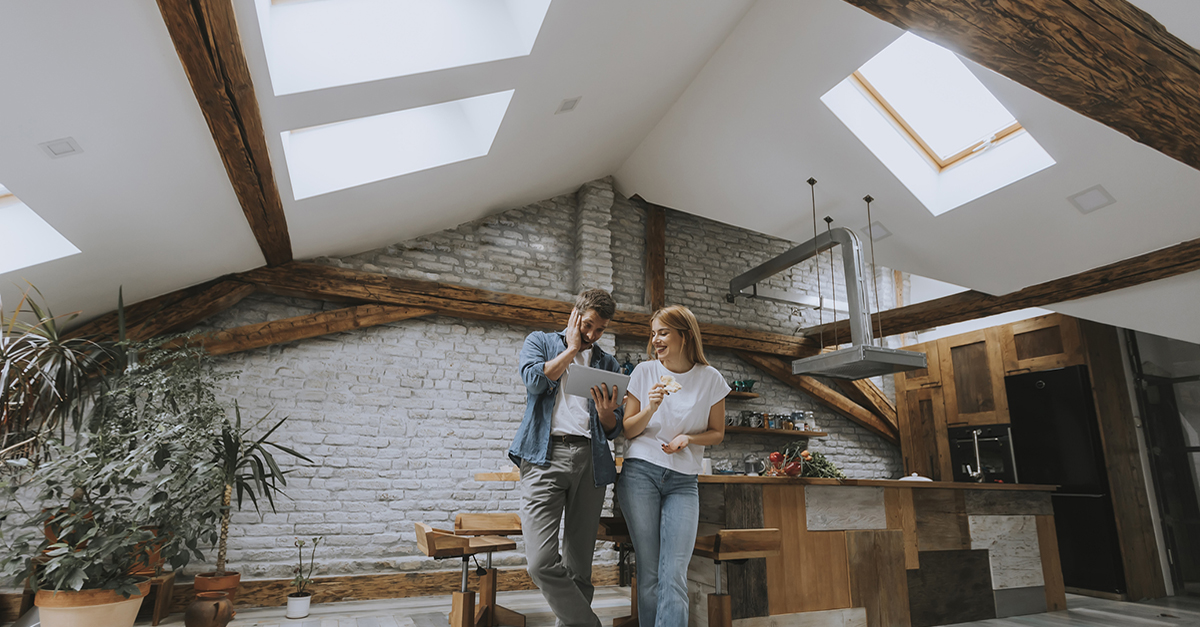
(48, 380)
(248, 468)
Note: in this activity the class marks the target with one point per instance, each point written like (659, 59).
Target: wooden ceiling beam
(867, 394)
(656, 253)
(1105, 59)
(206, 38)
(304, 327)
(782, 369)
(177, 311)
(971, 305)
(326, 282)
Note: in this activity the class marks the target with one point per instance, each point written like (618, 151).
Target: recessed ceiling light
(64, 147)
(1091, 199)
(568, 105)
(878, 229)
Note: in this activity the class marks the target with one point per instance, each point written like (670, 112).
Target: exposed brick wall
(399, 417)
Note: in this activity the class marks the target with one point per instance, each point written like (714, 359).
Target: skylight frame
(913, 136)
(40, 243)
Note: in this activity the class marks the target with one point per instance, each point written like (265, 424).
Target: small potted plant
(298, 601)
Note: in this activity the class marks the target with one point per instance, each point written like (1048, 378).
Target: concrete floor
(612, 602)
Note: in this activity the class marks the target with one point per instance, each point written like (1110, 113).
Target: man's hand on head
(574, 336)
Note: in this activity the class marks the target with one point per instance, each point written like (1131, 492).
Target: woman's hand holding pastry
(678, 443)
(655, 397)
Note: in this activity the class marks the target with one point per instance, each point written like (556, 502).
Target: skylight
(926, 116)
(331, 157)
(318, 44)
(28, 240)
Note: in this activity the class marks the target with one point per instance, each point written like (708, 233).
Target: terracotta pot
(150, 562)
(68, 608)
(210, 609)
(227, 583)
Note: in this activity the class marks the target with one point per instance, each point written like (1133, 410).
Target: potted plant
(83, 570)
(247, 467)
(298, 601)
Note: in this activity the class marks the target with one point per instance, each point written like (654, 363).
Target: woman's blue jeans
(661, 508)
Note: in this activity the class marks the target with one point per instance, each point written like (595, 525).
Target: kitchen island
(882, 553)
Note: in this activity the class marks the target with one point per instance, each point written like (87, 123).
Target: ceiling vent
(64, 147)
(1091, 199)
(861, 360)
(568, 105)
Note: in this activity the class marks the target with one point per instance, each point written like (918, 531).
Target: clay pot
(227, 583)
(210, 609)
(68, 608)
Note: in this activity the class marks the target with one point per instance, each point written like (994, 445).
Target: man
(566, 464)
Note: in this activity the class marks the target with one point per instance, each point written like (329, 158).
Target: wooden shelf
(791, 433)
(737, 394)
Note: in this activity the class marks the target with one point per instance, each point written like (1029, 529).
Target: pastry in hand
(671, 384)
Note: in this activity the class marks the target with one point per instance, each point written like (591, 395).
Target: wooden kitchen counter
(883, 553)
(881, 483)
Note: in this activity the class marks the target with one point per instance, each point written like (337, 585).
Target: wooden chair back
(439, 542)
(498, 524)
(739, 544)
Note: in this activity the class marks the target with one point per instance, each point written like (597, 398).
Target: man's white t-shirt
(682, 412)
(571, 415)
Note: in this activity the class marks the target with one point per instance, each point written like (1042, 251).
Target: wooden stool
(439, 544)
(489, 613)
(162, 587)
(733, 545)
(616, 531)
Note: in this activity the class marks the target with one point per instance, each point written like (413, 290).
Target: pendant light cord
(812, 186)
(874, 269)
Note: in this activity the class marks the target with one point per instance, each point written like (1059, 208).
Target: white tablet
(579, 380)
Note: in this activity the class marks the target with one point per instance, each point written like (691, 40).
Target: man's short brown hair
(596, 300)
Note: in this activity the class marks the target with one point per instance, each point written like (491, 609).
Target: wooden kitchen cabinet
(925, 377)
(924, 443)
(973, 378)
(1042, 343)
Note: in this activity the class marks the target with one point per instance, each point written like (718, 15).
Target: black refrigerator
(1056, 440)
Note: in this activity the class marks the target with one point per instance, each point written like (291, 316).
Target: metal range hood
(861, 360)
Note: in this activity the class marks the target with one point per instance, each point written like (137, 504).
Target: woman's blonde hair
(684, 321)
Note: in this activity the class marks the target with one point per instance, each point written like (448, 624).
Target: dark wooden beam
(868, 395)
(176, 311)
(304, 327)
(782, 369)
(656, 255)
(971, 305)
(1105, 59)
(325, 282)
(206, 39)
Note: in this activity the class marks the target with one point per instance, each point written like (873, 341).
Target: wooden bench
(733, 545)
(489, 613)
(440, 543)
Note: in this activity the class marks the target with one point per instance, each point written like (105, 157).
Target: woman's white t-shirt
(685, 411)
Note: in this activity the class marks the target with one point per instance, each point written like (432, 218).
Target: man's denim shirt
(532, 442)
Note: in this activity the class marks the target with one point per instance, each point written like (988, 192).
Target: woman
(675, 407)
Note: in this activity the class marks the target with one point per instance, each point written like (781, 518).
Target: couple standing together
(675, 406)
